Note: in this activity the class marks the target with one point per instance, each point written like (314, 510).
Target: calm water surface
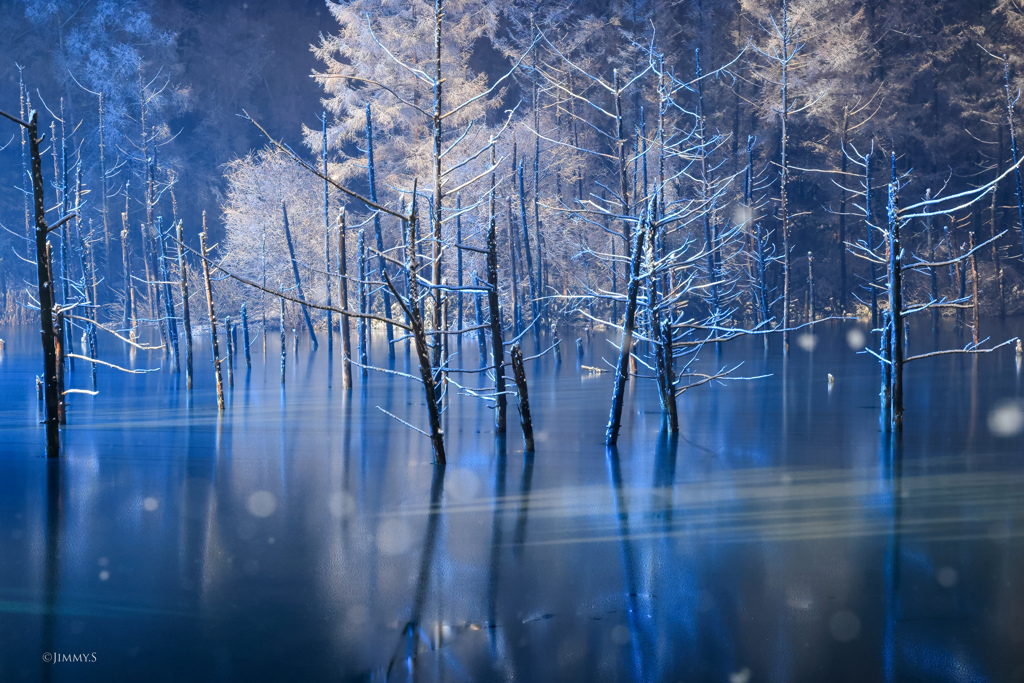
(304, 535)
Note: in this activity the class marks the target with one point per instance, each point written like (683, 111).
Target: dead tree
(169, 313)
(51, 392)
(346, 341)
(622, 367)
(245, 337)
(327, 244)
(186, 317)
(497, 343)
(892, 355)
(525, 419)
(231, 352)
(298, 281)
(212, 315)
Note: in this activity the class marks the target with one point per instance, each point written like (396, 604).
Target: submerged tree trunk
(810, 287)
(842, 215)
(706, 192)
(885, 392)
(128, 321)
(670, 376)
(896, 298)
(298, 282)
(346, 341)
(436, 243)
(420, 338)
(529, 257)
(186, 317)
(45, 286)
(872, 276)
(517, 317)
(622, 367)
(327, 244)
(245, 337)
(525, 419)
(165, 276)
(60, 336)
(481, 332)
(497, 343)
(284, 342)
(229, 338)
(363, 323)
(974, 288)
(932, 274)
(213, 317)
(458, 266)
(382, 264)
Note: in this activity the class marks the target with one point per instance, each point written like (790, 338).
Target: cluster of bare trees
(575, 187)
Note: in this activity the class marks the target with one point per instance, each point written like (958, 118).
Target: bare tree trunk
(103, 191)
(435, 258)
(165, 276)
(481, 333)
(26, 176)
(327, 246)
(517, 318)
(621, 370)
(284, 343)
(706, 192)
(842, 216)
(529, 257)
(497, 343)
(995, 246)
(420, 338)
(245, 337)
(152, 271)
(229, 338)
(932, 274)
(458, 266)
(524, 398)
(620, 148)
(810, 287)
(186, 317)
(896, 298)
(974, 287)
(44, 275)
(382, 264)
(213, 318)
(346, 344)
(129, 290)
(885, 393)
(298, 281)
(670, 376)
(60, 336)
(362, 324)
(870, 239)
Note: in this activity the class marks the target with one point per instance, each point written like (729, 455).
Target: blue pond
(305, 535)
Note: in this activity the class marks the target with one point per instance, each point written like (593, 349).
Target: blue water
(304, 535)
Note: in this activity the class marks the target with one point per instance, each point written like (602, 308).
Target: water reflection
(780, 536)
(416, 636)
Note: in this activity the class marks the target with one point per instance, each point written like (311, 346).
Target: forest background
(920, 79)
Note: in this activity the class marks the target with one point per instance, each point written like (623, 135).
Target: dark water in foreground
(305, 535)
